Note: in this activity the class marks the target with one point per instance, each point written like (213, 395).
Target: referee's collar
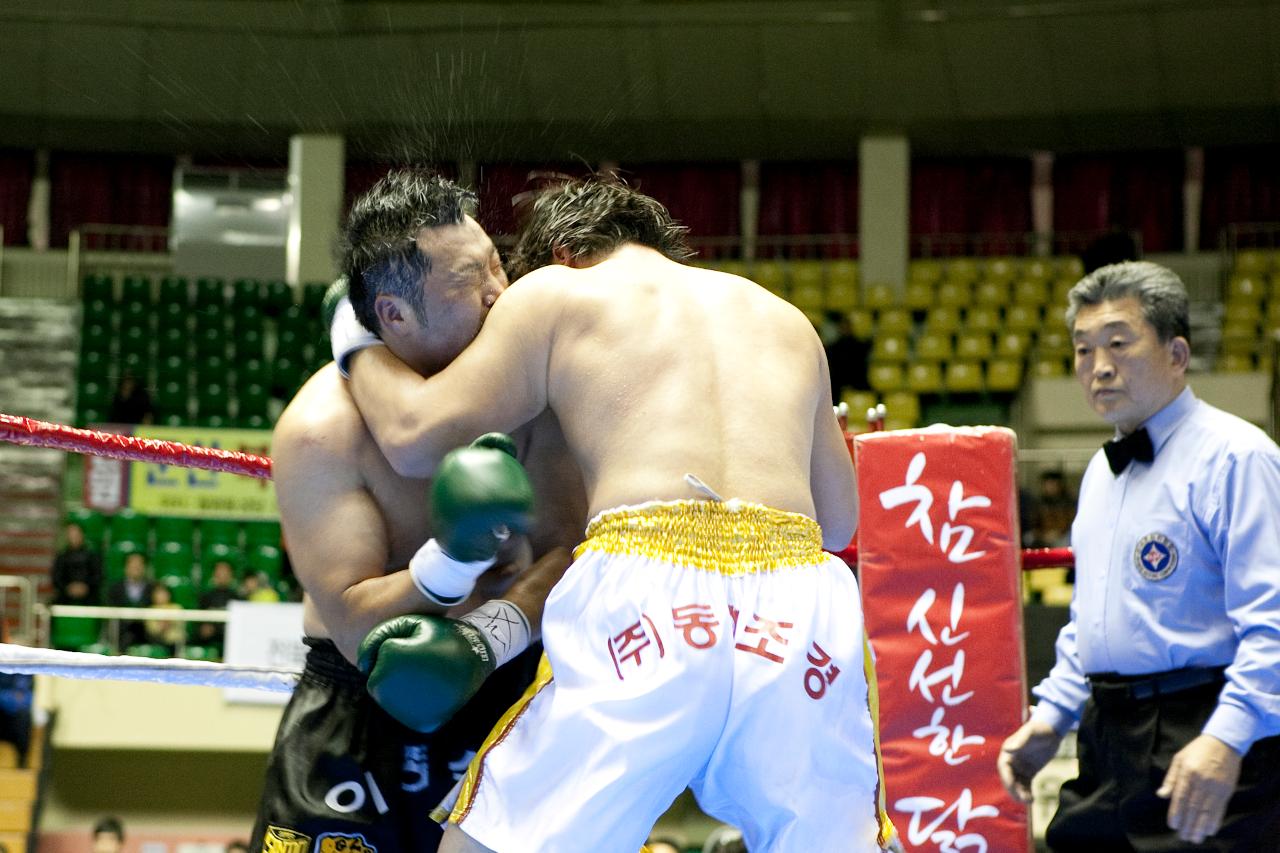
(1162, 424)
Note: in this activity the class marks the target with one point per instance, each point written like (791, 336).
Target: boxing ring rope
(64, 664)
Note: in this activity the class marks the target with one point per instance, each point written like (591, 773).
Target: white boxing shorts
(701, 644)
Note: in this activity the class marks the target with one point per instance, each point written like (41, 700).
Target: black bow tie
(1121, 451)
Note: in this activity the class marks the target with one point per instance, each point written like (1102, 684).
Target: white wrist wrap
(347, 335)
(504, 625)
(441, 578)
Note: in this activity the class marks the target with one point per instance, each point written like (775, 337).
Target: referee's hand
(1023, 754)
(1200, 781)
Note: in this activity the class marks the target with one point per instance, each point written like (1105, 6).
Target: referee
(1170, 663)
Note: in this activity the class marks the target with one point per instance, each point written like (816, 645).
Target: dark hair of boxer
(379, 246)
(591, 218)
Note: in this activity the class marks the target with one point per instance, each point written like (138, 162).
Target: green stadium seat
(173, 559)
(212, 400)
(1230, 362)
(1071, 267)
(982, 318)
(135, 314)
(284, 376)
(262, 533)
(135, 288)
(994, 294)
(252, 400)
(942, 319)
(209, 293)
(953, 293)
(89, 416)
(246, 292)
(842, 272)
(253, 422)
(172, 528)
(1001, 269)
(903, 405)
(129, 526)
(98, 648)
(266, 559)
(173, 341)
(1013, 345)
(211, 341)
(296, 319)
(858, 403)
(893, 321)
(290, 342)
(172, 399)
(1031, 291)
(171, 315)
(219, 531)
(174, 419)
(136, 339)
(277, 297)
(962, 270)
(95, 365)
(175, 290)
(147, 650)
(842, 296)
(1037, 269)
(73, 632)
(879, 296)
(312, 297)
(93, 394)
(91, 522)
(205, 653)
(1055, 342)
(925, 271)
(96, 335)
(1049, 367)
(1022, 318)
(771, 275)
(172, 368)
(98, 286)
(249, 343)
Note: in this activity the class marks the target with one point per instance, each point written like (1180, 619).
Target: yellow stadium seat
(933, 346)
(1246, 288)
(902, 405)
(770, 275)
(842, 296)
(1240, 338)
(1054, 342)
(858, 403)
(963, 377)
(893, 321)
(862, 323)
(1230, 362)
(1070, 266)
(806, 272)
(1049, 367)
(1002, 269)
(885, 377)
(943, 319)
(1013, 345)
(1037, 270)
(919, 295)
(1022, 318)
(878, 296)
(992, 293)
(1252, 262)
(732, 267)
(1004, 375)
(953, 293)
(926, 271)
(962, 270)
(1061, 287)
(1031, 291)
(843, 273)
(982, 318)
(808, 297)
(973, 346)
(1242, 313)
(891, 423)
(889, 348)
(924, 377)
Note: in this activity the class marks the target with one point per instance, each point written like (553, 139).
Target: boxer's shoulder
(322, 415)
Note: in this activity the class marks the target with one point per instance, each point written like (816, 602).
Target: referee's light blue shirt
(1178, 565)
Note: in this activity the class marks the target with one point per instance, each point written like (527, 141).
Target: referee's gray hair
(1158, 289)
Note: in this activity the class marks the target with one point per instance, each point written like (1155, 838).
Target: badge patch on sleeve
(1156, 556)
(277, 839)
(333, 842)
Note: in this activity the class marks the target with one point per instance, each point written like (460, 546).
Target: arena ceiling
(637, 79)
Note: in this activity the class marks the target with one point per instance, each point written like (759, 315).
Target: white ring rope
(31, 661)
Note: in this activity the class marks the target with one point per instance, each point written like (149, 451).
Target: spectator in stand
(257, 587)
(165, 632)
(133, 590)
(77, 571)
(846, 356)
(132, 403)
(222, 589)
(1055, 510)
(108, 835)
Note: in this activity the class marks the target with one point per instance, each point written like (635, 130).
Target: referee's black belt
(1110, 686)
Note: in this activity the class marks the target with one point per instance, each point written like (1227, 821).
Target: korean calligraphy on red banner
(939, 559)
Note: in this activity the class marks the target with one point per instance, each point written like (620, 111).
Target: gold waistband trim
(730, 537)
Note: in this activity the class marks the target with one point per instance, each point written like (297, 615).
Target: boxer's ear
(562, 256)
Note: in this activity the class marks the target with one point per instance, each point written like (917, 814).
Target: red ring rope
(18, 430)
(44, 434)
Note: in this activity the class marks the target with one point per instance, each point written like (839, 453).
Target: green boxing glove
(480, 495)
(422, 669)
